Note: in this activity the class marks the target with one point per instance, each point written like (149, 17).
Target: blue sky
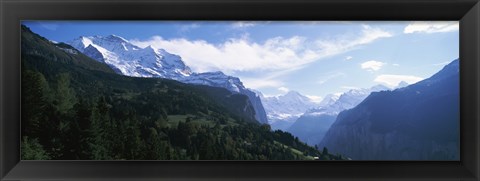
(313, 58)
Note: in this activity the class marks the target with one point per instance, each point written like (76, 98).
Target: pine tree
(65, 95)
(35, 96)
(100, 130)
(325, 151)
(155, 146)
(32, 150)
(134, 145)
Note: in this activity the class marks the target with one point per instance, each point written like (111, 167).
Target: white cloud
(372, 65)
(254, 83)
(274, 54)
(237, 54)
(396, 64)
(330, 76)
(267, 79)
(431, 27)
(283, 89)
(270, 59)
(243, 24)
(315, 99)
(348, 57)
(393, 80)
(342, 44)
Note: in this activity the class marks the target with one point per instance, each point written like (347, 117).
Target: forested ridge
(74, 107)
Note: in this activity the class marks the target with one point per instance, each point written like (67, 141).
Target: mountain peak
(454, 65)
(293, 93)
(294, 96)
(329, 99)
(402, 84)
(380, 87)
(130, 59)
(116, 38)
(448, 70)
(333, 104)
(150, 47)
(286, 107)
(83, 41)
(82, 37)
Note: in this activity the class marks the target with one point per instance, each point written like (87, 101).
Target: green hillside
(76, 108)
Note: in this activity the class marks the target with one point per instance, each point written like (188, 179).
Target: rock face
(417, 122)
(260, 113)
(130, 60)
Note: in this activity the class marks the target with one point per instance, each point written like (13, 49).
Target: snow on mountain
(286, 108)
(216, 79)
(329, 99)
(312, 126)
(131, 60)
(347, 100)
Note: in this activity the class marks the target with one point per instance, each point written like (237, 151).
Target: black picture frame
(13, 11)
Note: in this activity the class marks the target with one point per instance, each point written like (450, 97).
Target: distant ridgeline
(75, 107)
(417, 122)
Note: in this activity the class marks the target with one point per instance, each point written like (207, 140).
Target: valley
(105, 98)
(77, 108)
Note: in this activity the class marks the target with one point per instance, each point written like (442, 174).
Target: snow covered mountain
(215, 79)
(311, 126)
(131, 60)
(346, 100)
(329, 99)
(283, 110)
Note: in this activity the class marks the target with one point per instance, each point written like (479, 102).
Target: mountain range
(412, 122)
(284, 110)
(78, 108)
(131, 60)
(312, 125)
(416, 122)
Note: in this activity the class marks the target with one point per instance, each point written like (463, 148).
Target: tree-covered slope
(74, 107)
